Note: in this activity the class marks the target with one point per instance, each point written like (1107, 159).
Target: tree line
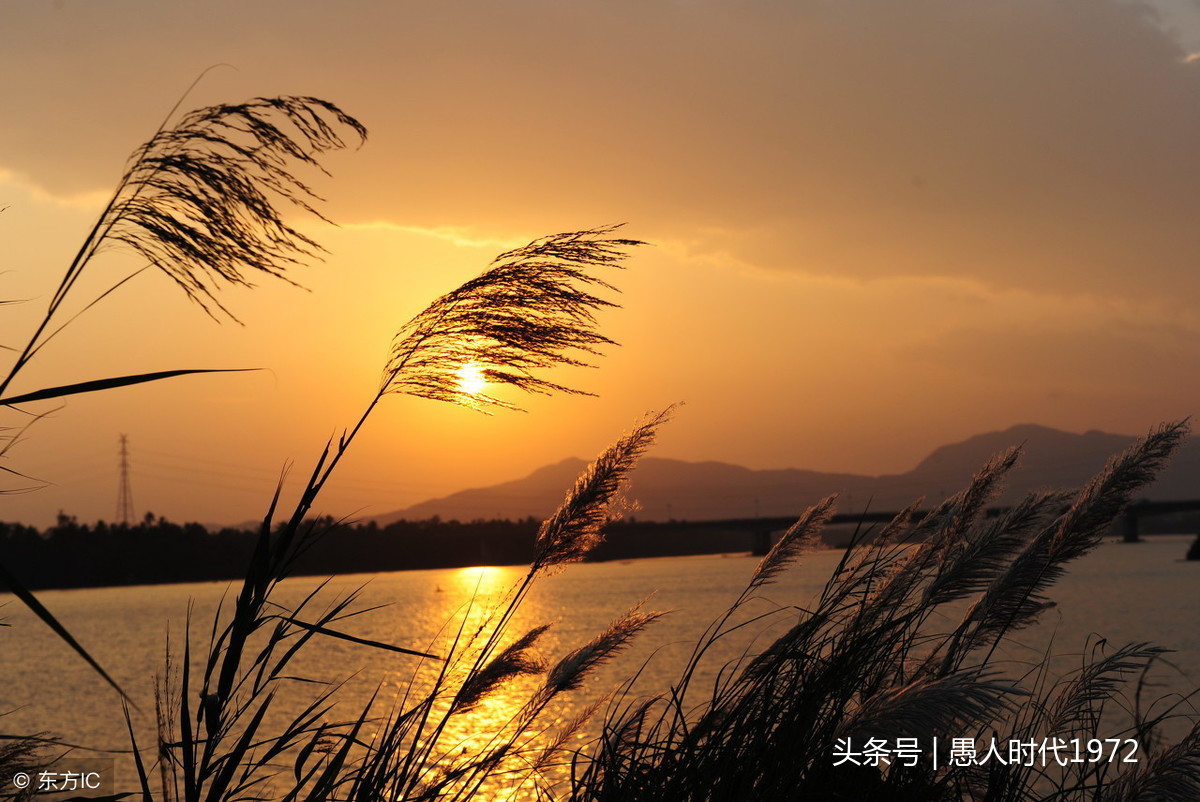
(71, 554)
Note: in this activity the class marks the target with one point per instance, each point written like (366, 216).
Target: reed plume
(799, 537)
(199, 201)
(1015, 597)
(951, 704)
(575, 527)
(1081, 698)
(526, 313)
(1172, 774)
(515, 660)
(870, 657)
(570, 672)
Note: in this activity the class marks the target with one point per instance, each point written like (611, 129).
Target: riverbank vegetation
(901, 652)
(72, 554)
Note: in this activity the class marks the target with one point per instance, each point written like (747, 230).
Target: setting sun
(471, 379)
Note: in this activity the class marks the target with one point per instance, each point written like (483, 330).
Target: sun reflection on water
(474, 599)
(484, 581)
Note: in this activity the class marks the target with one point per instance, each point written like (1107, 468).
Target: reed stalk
(868, 660)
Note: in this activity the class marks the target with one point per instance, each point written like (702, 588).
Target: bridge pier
(1127, 526)
(760, 542)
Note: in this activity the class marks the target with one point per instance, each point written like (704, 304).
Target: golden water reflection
(473, 601)
(411, 609)
(482, 581)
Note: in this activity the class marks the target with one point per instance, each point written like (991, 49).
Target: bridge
(1127, 524)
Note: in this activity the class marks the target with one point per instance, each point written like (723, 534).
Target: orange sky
(877, 227)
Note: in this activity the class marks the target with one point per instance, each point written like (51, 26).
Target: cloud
(1095, 360)
(1024, 144)
(15, 186)
(459, 236)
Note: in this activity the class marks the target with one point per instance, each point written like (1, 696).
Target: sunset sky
(876, 227)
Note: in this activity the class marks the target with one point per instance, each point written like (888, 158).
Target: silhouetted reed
(525, 313)
(198, 202)
(867, 659)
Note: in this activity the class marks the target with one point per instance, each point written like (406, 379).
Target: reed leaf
(332, 633)
(98, 385)
(18, 589)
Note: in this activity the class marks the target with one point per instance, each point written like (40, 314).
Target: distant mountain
(1058, 458)
(668, 488)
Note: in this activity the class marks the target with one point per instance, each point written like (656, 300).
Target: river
(1122, 592)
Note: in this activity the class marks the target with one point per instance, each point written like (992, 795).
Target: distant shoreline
(73, 555)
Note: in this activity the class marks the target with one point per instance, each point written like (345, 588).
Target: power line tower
(124, 491)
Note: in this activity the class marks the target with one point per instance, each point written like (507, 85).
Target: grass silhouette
(871, 660)
(868, 659)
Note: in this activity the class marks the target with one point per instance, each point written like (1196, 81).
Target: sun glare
(471, 379)
(483, 580)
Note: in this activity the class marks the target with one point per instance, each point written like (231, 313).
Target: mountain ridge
(669, 489)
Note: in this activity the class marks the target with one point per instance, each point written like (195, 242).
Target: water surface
(1122, 592)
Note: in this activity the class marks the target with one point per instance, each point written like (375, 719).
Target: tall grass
(873, 658)
(198, 201)
(870, 658)
(526, 312)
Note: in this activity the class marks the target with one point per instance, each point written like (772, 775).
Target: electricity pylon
(124, 491)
